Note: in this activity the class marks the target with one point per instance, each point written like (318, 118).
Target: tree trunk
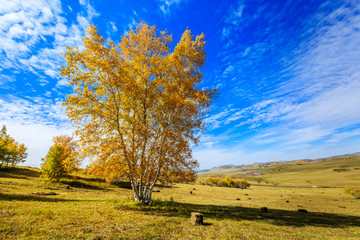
(143, 195)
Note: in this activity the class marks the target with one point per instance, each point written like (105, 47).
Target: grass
(92, 209)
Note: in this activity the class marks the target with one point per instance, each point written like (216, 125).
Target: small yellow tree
(136, 105)
(62, 158)
(71, 160)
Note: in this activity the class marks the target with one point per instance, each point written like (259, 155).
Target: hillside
(337, 171)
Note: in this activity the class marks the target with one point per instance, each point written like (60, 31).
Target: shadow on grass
(16, 172)
(90, 179)
(78, 184)
(23, 197)
(274, 216)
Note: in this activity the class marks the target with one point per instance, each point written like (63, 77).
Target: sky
(288, 72)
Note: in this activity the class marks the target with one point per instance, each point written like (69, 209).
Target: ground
(93, 209)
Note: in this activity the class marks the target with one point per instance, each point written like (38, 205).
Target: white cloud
(166, 5)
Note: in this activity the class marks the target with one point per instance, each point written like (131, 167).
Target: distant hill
(335, 171)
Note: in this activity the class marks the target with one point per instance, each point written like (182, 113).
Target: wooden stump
(197, 218)
(302, 210)
(264, 209)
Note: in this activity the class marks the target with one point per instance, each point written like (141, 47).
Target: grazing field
(92, 209)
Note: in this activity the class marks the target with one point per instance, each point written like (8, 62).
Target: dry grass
(92, 209)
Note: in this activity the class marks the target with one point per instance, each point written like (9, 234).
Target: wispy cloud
(167, 5)
(313, 96)
(25, 24)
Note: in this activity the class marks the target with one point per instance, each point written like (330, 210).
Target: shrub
(353, 191)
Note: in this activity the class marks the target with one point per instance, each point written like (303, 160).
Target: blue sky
(288, 72)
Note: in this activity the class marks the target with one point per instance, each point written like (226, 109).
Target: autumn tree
(11, 152)
(70, 159)
(62, 158)
(137, 106)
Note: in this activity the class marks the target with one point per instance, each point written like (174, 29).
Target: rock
(287, 201)
(302, 210)
(194, 189)
(197, 218)
(264, 209)
(238, 199)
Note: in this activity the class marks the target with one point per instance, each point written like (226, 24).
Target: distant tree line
(11, 152)
(226, 182)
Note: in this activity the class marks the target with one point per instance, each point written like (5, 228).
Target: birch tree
(137, 105)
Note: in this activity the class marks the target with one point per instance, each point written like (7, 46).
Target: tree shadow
(20, 173)
(90, 179)
(78, 184)
(23, 197)
(275, 216)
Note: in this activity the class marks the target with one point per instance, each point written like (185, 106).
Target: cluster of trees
(62, 158)
(226, 182)
(11, 152)
(137, 105)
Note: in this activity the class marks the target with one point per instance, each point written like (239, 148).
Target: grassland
(92, 209)
(332, 172)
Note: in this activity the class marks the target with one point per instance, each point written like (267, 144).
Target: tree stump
(197, 218)
(302, 210)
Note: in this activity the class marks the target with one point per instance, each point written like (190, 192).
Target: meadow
(83, 207)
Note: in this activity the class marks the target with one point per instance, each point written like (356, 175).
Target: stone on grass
(197, 218)
(238, 199)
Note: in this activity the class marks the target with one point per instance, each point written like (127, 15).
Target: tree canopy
(137, 106)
